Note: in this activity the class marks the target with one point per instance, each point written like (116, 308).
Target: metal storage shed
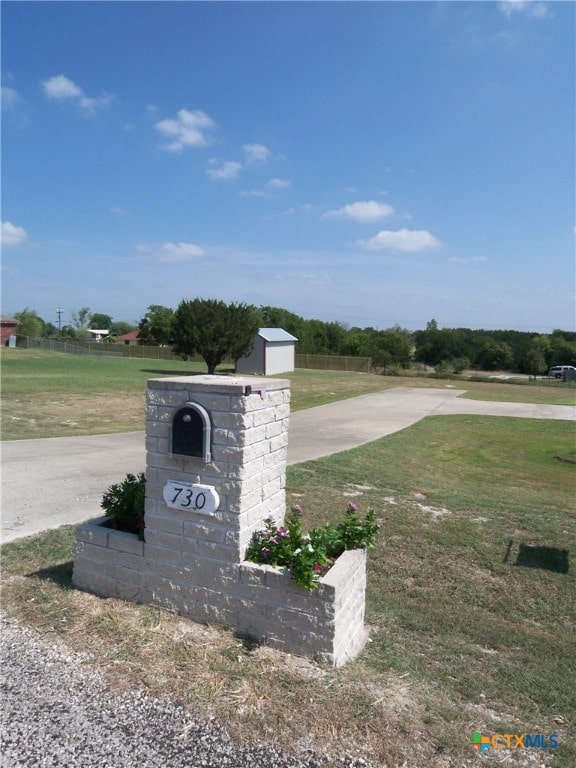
(273, 352)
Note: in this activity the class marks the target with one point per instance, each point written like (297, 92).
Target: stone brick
(227, 453)
(212, 402)
(163, 539)
(126, 542)
(235, 421)
(163, 397)
(93, 532)
(195, 548)
(164, 461)
(245, 471)
(279, 443)
(154, 552)
(254, 435)
(200, 530)
(274, 429)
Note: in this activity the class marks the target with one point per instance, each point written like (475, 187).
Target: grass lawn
(52, 394)
(471, 605)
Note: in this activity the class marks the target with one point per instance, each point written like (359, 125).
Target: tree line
(78, 326)
(218, 331)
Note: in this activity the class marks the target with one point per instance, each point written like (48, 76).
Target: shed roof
(276, 334)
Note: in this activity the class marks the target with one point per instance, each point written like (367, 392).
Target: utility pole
(59, 313)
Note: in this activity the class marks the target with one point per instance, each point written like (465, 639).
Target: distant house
(7, 328)
(273, 352)
(98, 335)
(130, 339)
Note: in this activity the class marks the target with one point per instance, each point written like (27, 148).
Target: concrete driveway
(57, 481)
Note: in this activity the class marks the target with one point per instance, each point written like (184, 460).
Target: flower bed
(309, 555)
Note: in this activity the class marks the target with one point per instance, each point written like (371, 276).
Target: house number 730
(188, 497)
(191, 496)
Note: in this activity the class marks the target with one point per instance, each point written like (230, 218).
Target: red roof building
(130, 338)
(7, 328)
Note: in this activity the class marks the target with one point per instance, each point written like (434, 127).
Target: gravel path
(58, 711)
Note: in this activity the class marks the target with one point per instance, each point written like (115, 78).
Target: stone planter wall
(326, 623)
(258, 601)
(193, 563)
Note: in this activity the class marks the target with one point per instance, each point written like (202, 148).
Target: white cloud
(253, 193)
(256, 153)
(173, 252)
(10, 98)
(407, 240)
(228, 170)
(12, 235)
(187, 130)
(62, 88)
(471, 260)
(278, 183)
(362, 211)
(533, 8)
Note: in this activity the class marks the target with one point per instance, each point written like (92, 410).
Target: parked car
(562, 372)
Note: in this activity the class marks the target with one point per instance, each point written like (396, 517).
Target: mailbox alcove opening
(191, 432)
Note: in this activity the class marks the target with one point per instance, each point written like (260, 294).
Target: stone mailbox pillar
(215, 470)
(243, 463)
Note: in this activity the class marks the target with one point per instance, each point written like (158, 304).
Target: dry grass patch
(71, 415)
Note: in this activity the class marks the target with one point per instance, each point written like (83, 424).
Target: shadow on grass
(249, 643)
(536, 556)
(61, 574)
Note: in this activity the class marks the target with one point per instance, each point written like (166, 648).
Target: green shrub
(310, 554)
(123, 503)
(460, 364)
(443, 370)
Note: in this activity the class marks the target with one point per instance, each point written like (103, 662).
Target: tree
(534, 361)
(390, 349)
(563, 351)
(215, 330)
(29, 324)
(100, 321)
(82, 318)
(434, 345)
(494, 355)
(156, 325)
(314, 338)
(49, 331)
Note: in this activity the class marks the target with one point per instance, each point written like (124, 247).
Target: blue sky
(374, 163)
